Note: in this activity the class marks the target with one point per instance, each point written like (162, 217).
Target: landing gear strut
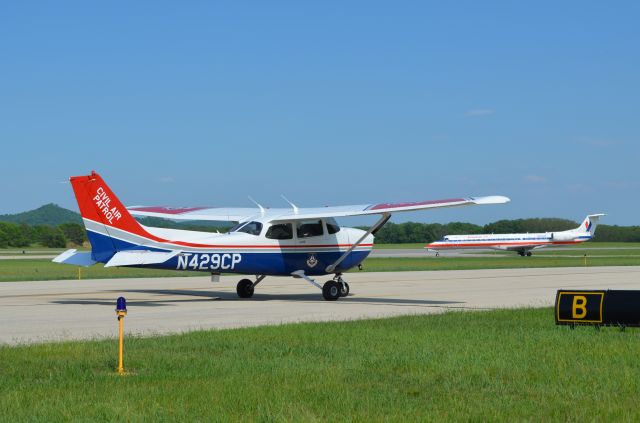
(246, 287)
(331, 290)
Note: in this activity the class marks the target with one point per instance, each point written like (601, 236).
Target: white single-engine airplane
(298, 242)
(521, 243)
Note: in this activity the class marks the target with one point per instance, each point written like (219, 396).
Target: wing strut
(372, 230)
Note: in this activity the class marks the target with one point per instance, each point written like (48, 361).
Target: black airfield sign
(606, 308)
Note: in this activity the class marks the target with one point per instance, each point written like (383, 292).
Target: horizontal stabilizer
(72, 256)
(138, 257)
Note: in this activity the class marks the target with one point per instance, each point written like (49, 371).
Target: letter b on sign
(579, 307)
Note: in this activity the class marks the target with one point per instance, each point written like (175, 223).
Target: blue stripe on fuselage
(276, 263)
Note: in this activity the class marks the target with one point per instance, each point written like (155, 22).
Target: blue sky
(204, 103)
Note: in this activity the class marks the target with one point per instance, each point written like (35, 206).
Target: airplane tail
(589, 223)
(110, 227)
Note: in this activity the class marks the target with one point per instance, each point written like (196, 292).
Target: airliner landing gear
(245, 287)
(521, 253)
(528, 253)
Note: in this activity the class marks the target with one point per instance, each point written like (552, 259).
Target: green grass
(43, 269)
(479, 366)
(399, 246)
(394, 264)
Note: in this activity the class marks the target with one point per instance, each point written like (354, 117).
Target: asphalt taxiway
(62, 310)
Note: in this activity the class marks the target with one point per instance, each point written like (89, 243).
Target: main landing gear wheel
(344, 289)
(529, 253)
(331, 291)
(245, 288)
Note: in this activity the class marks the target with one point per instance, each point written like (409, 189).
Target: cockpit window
(237, 226)
(332, 227)
(280, 231)
(308, 228)
(252, 228)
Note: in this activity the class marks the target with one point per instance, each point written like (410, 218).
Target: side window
(280, 231)
(252, 228)
(332, 227)
(308, 228)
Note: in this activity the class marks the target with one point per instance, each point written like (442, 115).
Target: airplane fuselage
(513, 242)
(237, 252)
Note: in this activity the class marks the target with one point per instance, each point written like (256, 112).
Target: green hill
(49, 214)
(54, 215)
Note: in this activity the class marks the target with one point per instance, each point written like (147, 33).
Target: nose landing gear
(335, 288)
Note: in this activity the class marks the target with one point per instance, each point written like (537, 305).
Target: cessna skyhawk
(298, 242)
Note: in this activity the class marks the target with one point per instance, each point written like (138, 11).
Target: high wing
(384, 208)
(294, 213)
(221, 214)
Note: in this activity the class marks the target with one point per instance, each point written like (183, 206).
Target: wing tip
(491, 199)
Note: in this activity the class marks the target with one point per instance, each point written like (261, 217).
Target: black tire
(529, 253)
(331, 291)
(344, 289)
(245, 288)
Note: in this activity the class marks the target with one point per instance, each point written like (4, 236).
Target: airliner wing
(282, 214)
(385, 208)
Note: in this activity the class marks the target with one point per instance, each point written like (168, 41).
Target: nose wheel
(335, 288)
(331, 291)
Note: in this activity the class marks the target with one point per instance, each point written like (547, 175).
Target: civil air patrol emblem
(312, 261)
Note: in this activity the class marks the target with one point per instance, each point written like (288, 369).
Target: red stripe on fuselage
(222, 246)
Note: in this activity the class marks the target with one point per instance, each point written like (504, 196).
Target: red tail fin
(98, 203)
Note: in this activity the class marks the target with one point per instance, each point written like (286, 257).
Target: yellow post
(585, 259)
(79, 273)
(121, 311)
(121, 343)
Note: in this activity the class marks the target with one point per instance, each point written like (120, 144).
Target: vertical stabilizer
(103, 216)
(589, 223)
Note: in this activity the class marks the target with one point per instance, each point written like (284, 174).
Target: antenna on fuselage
(257, 204)
(295, 208)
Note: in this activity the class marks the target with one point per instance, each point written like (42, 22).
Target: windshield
(252, 228)
(332, 226)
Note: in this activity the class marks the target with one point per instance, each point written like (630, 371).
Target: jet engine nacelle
(563, 236)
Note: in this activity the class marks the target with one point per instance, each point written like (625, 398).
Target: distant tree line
(23, 235)
(412, 232)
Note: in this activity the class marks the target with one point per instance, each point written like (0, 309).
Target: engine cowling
(563, 236)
